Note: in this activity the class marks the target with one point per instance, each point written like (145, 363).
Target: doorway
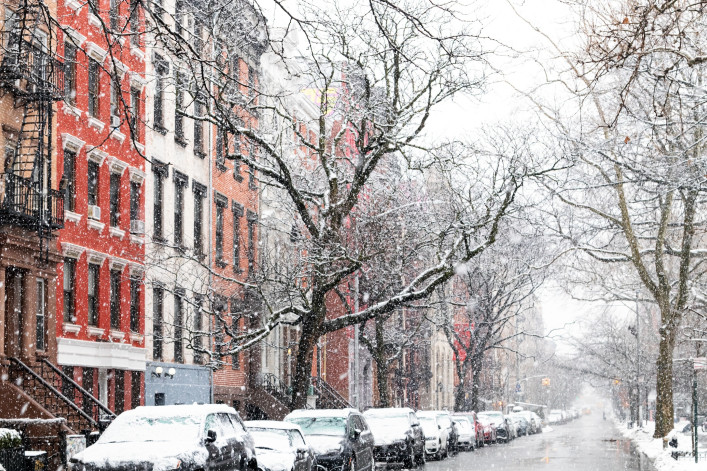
(14, 295)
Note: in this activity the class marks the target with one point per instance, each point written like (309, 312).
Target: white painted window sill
(95, 331)
(95, 225)
(70, 216)
(117, 335)
(96, 123)
(71, 328)
(116, 232)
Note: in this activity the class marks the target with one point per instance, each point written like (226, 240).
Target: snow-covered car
(521, 424)
(534, 424)
(489, 429)
(503, 432)
(554, 418)
(340, 438)
(165, 438)
(471, 415)
(538, 422)
(466, 439)
(436, 436)
(280, 446)
(397, 435)
(445, 420)
(512, 426)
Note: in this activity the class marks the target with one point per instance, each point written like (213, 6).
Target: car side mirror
(439, 427)
(356, 433)
(210, 436)
(301, 453)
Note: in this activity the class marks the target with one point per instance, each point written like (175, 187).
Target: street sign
(700, 363)
(518, 388)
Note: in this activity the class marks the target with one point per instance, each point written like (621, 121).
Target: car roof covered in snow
(387, 412)
(179, 410)
(427, 413)
(274, 424)
(321, 413)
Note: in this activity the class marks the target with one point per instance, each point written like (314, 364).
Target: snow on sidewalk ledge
(653, 447)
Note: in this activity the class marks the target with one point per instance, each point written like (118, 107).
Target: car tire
(410, 460)
(422, 458)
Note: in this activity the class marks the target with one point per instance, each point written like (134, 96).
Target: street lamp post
(639, 418)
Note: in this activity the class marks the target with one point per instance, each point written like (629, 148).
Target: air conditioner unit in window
(137, 227)
(94, 212)
(115, 121)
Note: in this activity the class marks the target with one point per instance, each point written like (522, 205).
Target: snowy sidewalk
(653, 447)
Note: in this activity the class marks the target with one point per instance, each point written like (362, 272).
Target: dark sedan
(340, 438)
(397, 435)
(187, 438)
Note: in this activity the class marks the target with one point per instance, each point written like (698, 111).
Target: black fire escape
(33, 76)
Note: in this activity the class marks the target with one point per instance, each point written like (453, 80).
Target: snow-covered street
(586, 444)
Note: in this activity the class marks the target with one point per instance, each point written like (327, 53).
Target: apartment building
(178, 227)
(100, 295)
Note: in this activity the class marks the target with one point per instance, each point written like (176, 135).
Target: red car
(489, 430)
(477, 425)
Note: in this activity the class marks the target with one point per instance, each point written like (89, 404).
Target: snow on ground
(653, 447)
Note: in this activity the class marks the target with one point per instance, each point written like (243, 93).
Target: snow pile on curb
(653, 448)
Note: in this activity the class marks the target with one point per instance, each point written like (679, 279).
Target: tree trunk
(381, 365)
(460, 391)
(303, 363)
(664, 384)
(475, 385)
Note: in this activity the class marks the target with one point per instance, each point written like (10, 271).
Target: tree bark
(475, 385)
(303, 362)
(664, 416)
(381, 365)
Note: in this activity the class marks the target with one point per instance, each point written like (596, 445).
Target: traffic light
(546, 382)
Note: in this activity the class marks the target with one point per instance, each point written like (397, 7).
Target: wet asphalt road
(585, 444)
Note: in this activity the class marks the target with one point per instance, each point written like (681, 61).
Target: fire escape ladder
(54, 392)
(329, 398)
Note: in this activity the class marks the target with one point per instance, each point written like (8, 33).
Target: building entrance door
(14, 294)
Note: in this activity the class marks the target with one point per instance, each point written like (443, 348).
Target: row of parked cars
(214, 438)
(561, 416)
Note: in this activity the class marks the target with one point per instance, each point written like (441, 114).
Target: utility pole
(694, 412)
(356, 388)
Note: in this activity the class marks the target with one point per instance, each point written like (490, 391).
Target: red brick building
(100, 299)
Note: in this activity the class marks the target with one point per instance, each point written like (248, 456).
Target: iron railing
(329, 398)
(30, 70)
(57, 393)
(24, 203)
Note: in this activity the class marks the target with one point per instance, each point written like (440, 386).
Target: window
(93, 87)
(221, 149)
(41, 328)
(115, 103)
(119, 391)
(162, 70)
(93, 290)
(115, 278)
(70, 74)
(135, 389)
(251, 170)
(10, 153)
(134, 201)
(199, 195)
(252, 221)
(159, 399)
(198, 325)
(114, 199)
(135, 22)
(69, 290)
(69, 180)
(178, 327)
(160, 172)
(179, 109)
(220, 206)
(237, 215)
(179, 16)
(237, 162)
(180, 182)
(114, 14)
(157, 311)
(199, 128)
(93, 172)
(135, 112)
(251, 82)
(135, 304)
(87, 384)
